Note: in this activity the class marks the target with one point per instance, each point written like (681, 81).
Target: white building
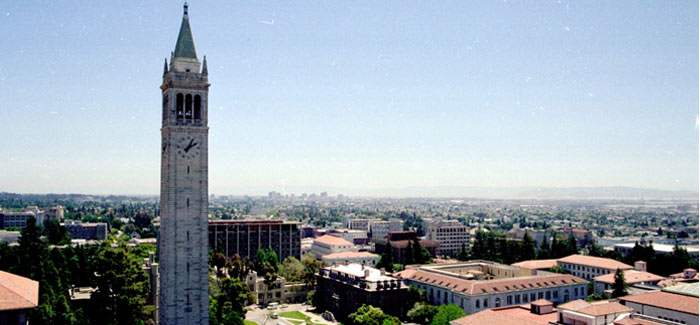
(328, 244)
(589, 267)
(363, 258)
(353, 236)
(480, 285)
(580, 312)
(379, 229)
(451, 235)
(672, 305)
(626, 249)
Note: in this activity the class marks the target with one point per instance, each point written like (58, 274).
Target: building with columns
(182, 238)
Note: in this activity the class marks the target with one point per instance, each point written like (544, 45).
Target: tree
(370, 315)
(311, 266)
(386, 260)
(557, 269)
(463, 253)
(447, 313)
(239, 267)
(56, 234)
(237, 293)
(122, 286)
(422, 313)
(291, 269)
(619, 285)
(527, 248)
(409, 254)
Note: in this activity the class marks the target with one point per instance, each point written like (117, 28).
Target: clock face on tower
(187, 147)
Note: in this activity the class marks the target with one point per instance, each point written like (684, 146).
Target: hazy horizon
(356, 96)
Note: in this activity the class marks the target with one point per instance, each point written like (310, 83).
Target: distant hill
(616, 192)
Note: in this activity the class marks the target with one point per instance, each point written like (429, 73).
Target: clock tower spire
(183, 247)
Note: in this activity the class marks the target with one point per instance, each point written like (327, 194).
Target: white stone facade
(182, 238)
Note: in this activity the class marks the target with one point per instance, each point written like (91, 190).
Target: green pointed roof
(184, 48)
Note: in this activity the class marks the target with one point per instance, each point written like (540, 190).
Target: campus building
(478, 285)
(245, 237)
(589, 267)
(341, 289)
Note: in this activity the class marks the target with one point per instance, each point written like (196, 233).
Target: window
(497, 302)
(188, 106)
(478, 303)
(179, 111)
(517, 299)
(575, 292)
(539, 295)
(197, 107)
(556, 294)
(533, 297)
(486, 302)
(548, 295)
(509, 300)
(524, 297)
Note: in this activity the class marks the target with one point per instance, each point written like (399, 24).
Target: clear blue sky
(356, 94)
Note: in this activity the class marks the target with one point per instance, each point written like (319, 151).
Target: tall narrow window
(188, 203)
(197, 108)
(180, 113)
(188, 107)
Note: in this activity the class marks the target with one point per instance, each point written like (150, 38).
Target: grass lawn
(293, 315)
(249, 322)
(296, 322)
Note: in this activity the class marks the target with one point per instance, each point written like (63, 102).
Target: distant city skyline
(335, 95)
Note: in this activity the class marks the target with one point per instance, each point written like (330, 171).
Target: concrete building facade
(245, 237)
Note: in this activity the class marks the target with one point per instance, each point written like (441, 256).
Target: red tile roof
(491, 316)
(666, 300)
(631, 277)
(350, 255)
(17, 292)
(332, 241)
(472, 287)
(536, 264)
(595, 309)
(599, 262)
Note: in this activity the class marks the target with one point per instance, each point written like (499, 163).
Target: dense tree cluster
(493, 246)
(112, 268)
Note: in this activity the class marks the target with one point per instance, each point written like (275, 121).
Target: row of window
(439, 296)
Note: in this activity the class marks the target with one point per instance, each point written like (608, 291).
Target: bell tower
(182, 238)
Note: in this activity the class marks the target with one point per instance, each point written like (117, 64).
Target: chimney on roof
(689, 273)
(640, 266)
(541, 307)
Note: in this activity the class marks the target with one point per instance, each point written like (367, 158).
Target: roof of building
(184, 47)
(666, 300)
(574, 305)
(349, 255)
(332, 241)
(605, 309)
(684, 289)
(599, 308)
(631, 277)
(511, 315)
(17, 292)
(634, 321)
(541, 302)
(473, 287)
(492, 317)
(592, 261)
(359, 270)
(536, 264)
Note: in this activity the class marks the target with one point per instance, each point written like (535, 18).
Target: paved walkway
(262, 316)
